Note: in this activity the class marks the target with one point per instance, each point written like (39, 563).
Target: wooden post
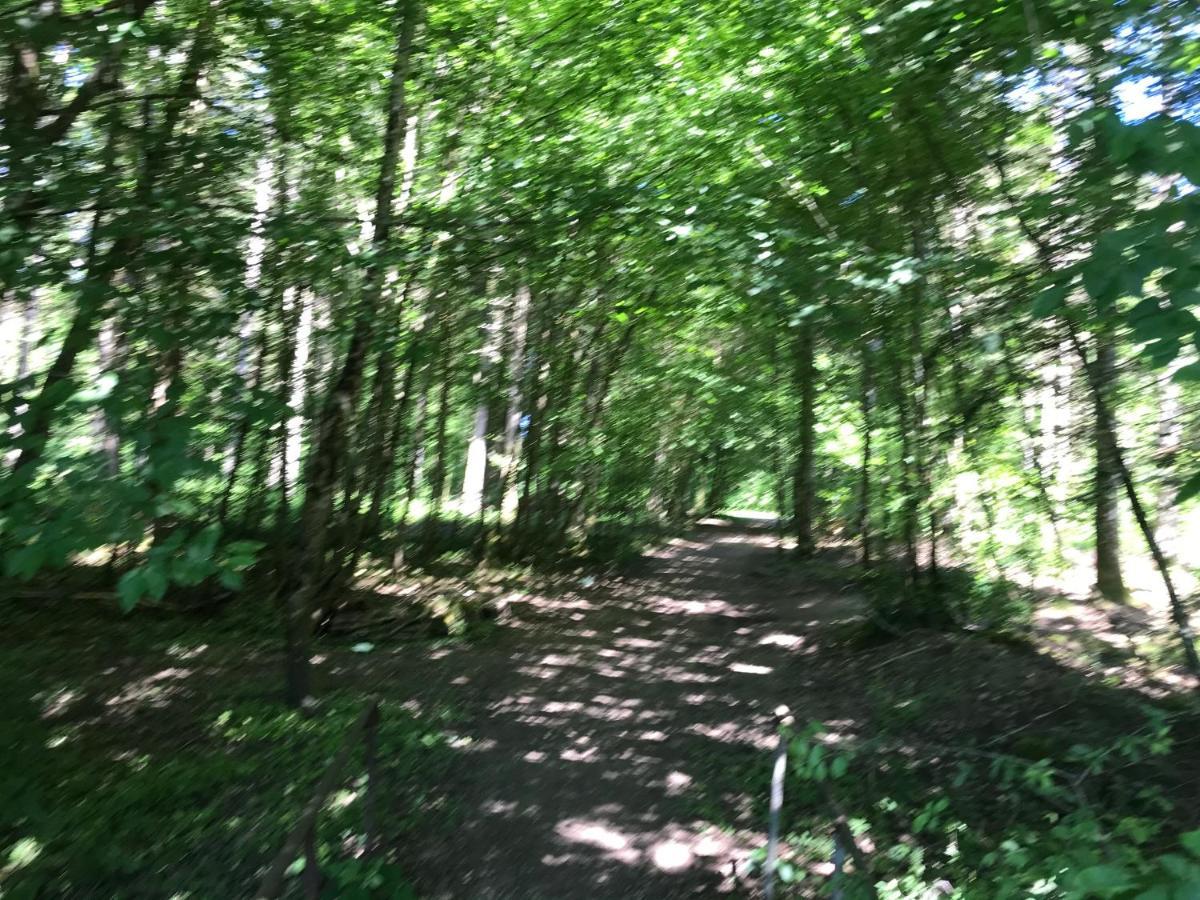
(783, 720)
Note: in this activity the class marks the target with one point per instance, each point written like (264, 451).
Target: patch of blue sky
(1139, 99)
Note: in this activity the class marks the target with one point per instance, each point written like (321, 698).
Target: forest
(634, 449)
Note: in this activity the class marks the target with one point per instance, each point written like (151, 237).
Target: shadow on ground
(603, 723)
(603, 741)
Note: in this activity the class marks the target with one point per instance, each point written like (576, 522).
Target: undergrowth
(173, 795)
(959, 822)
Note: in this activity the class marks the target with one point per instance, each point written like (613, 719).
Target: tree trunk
(910, 507)
(866, 406)
(1107, 484)
(518, 332)
(1166, 458)
(416, 460)
(475, 469)
(328, 455)
(295, 353)
(438, 468)
(1108, 428)
(1180, 615)
(803, 490)
(383, 480)
(251, 379)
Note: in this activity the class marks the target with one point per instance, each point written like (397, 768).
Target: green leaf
(1100, 278)
(205, 543)
(1180, 867)
(1050, 301)
(1103, 880)
(1188, 373)
(1185, 297)
(25, 562)
(1123, 140)
(295, 868)
(788, 873)
(1191, 842)
(156, 581)
(244, 548)
(230, 579)
(1190, 489)
(130, 589)
(1146, 307)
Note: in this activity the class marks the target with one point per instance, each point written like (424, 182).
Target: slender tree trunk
(1037, 449)
(866, 407)
(415, 464)
(1166, 458)
(537, 388)
(249, 374)
(910, 506)
(718, 486)
(1179, 612)
(680, 505)
(164, 400)
(803, 491)
(237, 448)
(439, 467)
(475, 470)
(562, 388)
(113, 350)
(518, 333)
(26, 341)
(327, 458)
(658, 500)
(383, 482)
(1107, 484)
(298, 314)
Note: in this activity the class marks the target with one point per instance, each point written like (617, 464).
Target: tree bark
(1166, 459)
(866, 407)
(438, 467)
(1107, 482)
(518, 330)
(803, 491)
(475, 469)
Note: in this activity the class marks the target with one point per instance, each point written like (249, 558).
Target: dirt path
(600, 735)
(591, 715)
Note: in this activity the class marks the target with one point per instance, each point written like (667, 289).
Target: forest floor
(594, 719)
(608, 738)
(618, 735)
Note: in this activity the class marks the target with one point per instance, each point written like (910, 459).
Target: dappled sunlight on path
(590, 718)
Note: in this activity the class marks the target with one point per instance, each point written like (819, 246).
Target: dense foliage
(291, 290)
